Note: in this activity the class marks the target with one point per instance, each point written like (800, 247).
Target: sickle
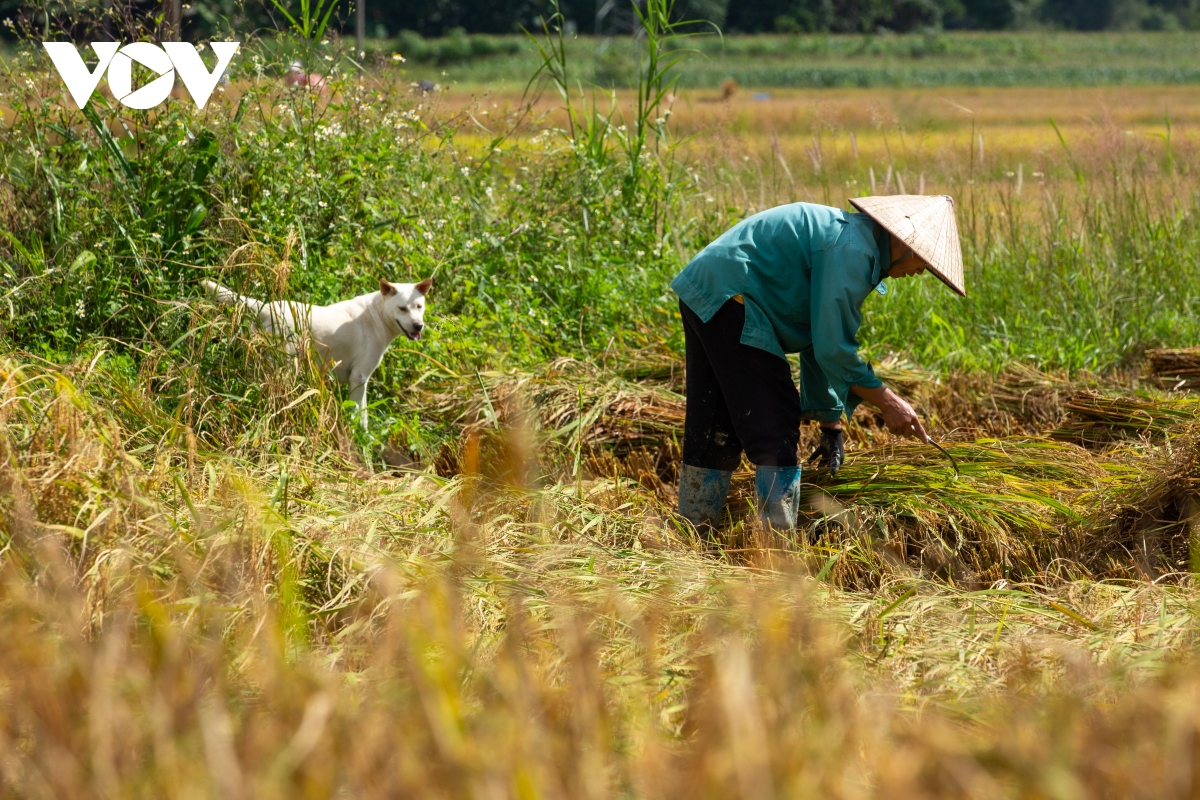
(953, 463)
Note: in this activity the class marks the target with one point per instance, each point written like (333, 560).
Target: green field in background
(940, 59)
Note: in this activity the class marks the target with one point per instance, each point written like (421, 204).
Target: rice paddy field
(214, 583)
(1009, 59)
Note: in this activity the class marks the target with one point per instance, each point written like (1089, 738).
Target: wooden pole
(602, 12)
(360, 25)
(173, 19)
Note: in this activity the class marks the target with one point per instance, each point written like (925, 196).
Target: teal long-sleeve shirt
(803, 271)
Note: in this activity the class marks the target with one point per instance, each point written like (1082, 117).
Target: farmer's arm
(838, 290)
(898, 415)
(839, 286)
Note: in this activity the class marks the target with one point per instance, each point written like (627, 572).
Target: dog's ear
(385, 288)
(424, 286)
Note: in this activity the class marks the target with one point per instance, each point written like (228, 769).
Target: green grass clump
(536, 247)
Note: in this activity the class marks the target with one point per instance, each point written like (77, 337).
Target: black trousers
(738, 397)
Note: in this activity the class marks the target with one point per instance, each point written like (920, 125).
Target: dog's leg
(358, 393)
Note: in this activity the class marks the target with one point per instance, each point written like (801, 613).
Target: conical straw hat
(925, 224)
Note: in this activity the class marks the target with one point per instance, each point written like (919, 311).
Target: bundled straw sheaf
(1093, 420)
(1153, 520)
(577, 411)
(1174, 369)
(1009, 514)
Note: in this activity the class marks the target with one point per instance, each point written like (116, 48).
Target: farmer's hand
(831, 452)
(900, 418)
(898, 415)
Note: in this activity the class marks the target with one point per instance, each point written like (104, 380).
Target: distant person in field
(793, 280)
(296, 76)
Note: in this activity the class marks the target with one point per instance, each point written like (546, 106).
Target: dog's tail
(228, 297)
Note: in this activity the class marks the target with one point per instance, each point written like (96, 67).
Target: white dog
(352, 335)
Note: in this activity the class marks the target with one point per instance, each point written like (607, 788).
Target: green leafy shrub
(456, 46)
(538, 247)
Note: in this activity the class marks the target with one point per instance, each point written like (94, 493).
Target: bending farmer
(793, 280)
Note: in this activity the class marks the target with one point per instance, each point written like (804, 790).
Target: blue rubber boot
(702, 493)
(777, 490)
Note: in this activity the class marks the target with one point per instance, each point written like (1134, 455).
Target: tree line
(436, 17)
(433, 18)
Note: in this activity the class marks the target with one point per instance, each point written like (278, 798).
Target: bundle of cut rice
(1094, 420)
(1174, 369)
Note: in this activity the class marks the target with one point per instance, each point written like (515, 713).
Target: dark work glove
(831, 452)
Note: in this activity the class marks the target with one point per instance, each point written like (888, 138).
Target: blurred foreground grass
(180, 621)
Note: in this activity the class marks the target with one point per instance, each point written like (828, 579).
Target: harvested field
(1048, 471)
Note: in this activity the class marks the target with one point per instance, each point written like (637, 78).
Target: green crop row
(944, 59)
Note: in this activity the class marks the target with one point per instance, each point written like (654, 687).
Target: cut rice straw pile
(1035, 505)
(1094, 420)
(1174, 369)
